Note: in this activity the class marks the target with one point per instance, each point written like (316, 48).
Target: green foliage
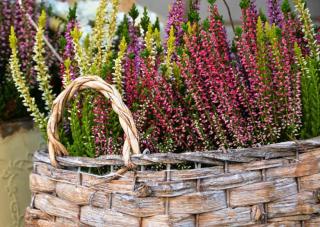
(123, 31)
(206, 24)
(156, 25)
(145, 20)
(310, 93)
(244, 4)
(285, 7)
(81, 120)
(134, 13)
(262, 16)
(238, 31)
(310, 77)
(193, 14)
(72, 14)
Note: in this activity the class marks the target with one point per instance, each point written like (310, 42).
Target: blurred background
(160, 9)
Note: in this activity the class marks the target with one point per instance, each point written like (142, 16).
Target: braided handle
(109, 91)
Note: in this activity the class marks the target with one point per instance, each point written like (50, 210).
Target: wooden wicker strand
(110, 92)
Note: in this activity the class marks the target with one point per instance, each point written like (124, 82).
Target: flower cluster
(195, 91)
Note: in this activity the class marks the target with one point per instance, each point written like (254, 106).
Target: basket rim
(213, 157)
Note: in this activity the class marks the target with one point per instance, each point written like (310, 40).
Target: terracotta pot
(18, 140)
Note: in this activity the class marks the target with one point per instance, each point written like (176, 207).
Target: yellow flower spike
(149, 38)
(98, 33)
(299, 58)
(170, 50)
(13, 39)
(150, 44)
(117, 75)
(41, 68)
(21, 85)
(80, 55)
(267, 29)
(67, 75)
(95, 50)
(157, 37)
(42, 19)
(112, 26)
(113, 19)
(260, 32)
(190, 30)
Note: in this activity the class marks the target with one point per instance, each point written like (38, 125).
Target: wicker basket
(273, 185)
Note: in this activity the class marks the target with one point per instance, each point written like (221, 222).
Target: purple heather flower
(5, 23)
(131, 66)
(68, 52)
(275, 13)
(25, 35)
(176, 19)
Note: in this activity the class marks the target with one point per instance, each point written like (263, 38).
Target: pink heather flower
(198, 84)
(289, 34)
(169, 117)
(256, 90)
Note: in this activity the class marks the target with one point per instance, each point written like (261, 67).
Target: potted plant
(202, 122)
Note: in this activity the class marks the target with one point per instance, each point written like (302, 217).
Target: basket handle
(109, 91)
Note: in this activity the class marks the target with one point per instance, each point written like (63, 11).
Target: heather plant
(309, 66)
(192, 91)
(91, 58)
(254, 92)
(15, 13)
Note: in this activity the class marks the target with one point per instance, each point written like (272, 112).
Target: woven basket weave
(273, 185)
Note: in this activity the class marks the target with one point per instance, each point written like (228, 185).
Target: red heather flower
(221, 78)
(104, 130)
(256, 94)
(201, 89)
(169, 120)
(249, 25)
(289, 34)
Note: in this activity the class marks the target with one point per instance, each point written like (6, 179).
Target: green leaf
(134, 13)
(145, 20)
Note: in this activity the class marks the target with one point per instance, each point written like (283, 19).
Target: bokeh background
(160, 8)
